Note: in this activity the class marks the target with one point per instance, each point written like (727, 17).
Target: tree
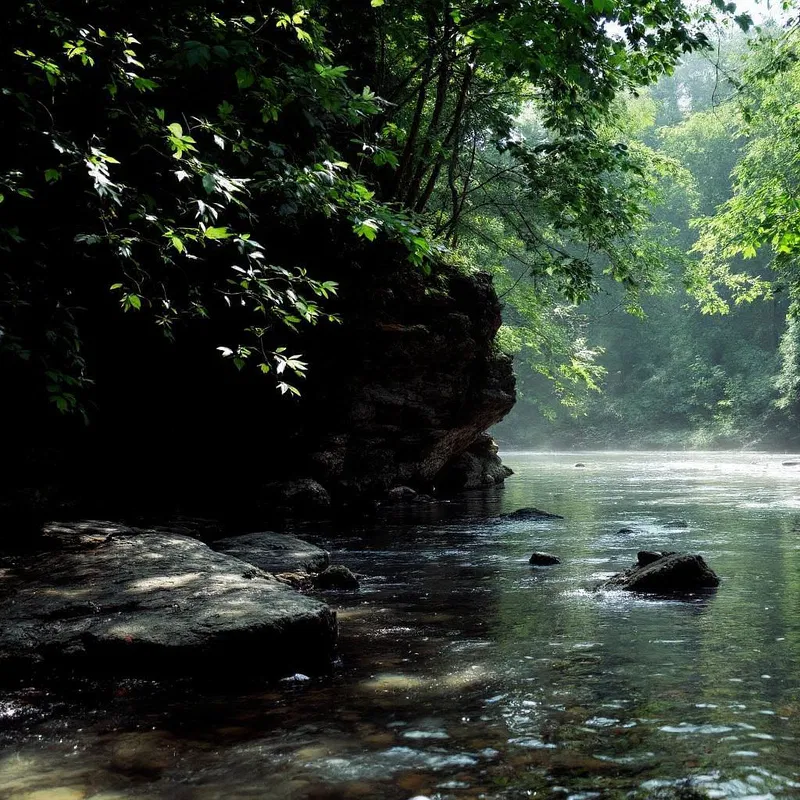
(183, 154)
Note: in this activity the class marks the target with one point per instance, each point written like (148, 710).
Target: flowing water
(466, 673)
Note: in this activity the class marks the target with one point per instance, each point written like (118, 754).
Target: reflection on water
(466, 673)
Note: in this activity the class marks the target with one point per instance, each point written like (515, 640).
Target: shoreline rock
(135, 602)
(478, 467)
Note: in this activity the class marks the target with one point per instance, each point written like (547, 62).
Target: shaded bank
(403, 387)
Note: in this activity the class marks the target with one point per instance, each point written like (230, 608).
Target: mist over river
(466, 673)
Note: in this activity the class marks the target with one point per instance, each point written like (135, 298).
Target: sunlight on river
(466, 673)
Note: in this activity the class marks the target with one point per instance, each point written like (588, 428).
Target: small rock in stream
(337, 576)
(539, 559)
(665, 573)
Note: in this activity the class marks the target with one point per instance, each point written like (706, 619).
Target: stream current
(466, 673)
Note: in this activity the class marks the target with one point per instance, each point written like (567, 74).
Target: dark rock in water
(400, 494)
(580, 465)
(274, 552)
(153, 604)
(790, 464)
(669, 573)
(676, 523)
(305, 497)
(477, 467)
(626, 530)
(336, 576)
(645, 557)
(529, 513)
(543, 559)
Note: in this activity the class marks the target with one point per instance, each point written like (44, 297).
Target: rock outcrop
(416, 382)
(477, 467)
(665, 573)
(125, 602)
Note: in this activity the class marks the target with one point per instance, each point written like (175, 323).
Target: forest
(706, 356)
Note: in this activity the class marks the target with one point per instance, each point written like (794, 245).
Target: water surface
(466, 673)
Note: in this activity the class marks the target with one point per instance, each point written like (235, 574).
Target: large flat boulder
(155, 603)
(665, 573)
(275, 552)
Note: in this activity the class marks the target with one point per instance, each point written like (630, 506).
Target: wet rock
(626, 530)
(336, 576)
(580, 465)
(275, 552)
(83, 534)
(143, 753)
(301, 581)
(304, 497)
(645, 557)
(790, 463)
(477, 467)
(676, 523)
(529, 513)
(153, 604)
(667, 573)
(539, 559)
(400, 494)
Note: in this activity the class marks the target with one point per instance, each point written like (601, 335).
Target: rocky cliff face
(417, 381)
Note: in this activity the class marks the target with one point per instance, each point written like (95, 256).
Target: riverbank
(100, 598)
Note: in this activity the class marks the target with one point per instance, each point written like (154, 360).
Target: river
(466, 673)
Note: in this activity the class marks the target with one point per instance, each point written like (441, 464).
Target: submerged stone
(529, 513)
(665, 573)
(153, 604)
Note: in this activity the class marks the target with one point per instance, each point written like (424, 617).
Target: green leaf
(209, 184)
(175, 129)
(376, 3)
(217, 233)
(52, 175)
(244, 78)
